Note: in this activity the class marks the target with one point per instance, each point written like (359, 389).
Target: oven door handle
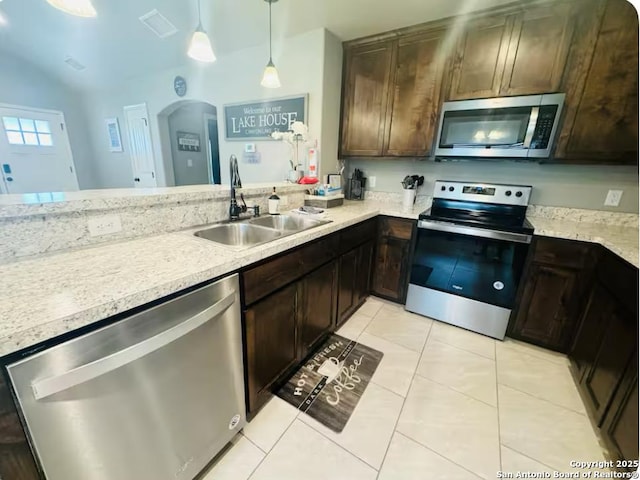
(474, 232)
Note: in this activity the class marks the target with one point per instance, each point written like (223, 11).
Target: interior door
(142, 161)
(35, 155)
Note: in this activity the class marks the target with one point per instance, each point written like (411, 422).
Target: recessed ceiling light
(158, 24)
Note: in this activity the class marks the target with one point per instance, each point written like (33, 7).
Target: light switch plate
(104, 225)
(613, 198)
(372, 182)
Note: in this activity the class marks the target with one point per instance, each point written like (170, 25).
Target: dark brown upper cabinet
(480, 58)
(365, 98)
(416, 94)
(518, 54)
(538, 49)
(601, 113)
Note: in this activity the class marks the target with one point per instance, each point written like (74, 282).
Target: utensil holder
(408, 199)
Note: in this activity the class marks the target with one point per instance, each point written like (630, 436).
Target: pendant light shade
(79, 8)
(270, 77)
(200, 45)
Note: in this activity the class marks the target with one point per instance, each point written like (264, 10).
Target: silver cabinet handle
(475, 232)
(52, 385)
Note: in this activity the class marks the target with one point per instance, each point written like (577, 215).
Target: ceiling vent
(158, 24)
(73, 63)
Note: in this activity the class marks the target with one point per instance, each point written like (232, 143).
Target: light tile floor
(444, 403)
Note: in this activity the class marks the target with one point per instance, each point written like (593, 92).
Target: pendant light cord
(199, 16)
(270, 56)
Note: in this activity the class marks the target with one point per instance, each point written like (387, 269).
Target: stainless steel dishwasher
(154, 396)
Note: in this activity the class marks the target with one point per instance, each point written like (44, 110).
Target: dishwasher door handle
(49, 386)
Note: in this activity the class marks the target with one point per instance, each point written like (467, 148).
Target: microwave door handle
(476, 232)
(533, 120)
(49, 386)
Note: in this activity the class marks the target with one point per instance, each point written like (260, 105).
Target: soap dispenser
(274, 203)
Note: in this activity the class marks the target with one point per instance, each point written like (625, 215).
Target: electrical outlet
(613, 198)
(104, 225)
(372, 182)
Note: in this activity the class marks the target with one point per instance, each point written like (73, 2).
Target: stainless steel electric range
(469, 255)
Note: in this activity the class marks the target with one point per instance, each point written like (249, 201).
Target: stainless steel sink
(288, 223)
(239, 234)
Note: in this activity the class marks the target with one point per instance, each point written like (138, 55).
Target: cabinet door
(390, 269)
(620, 427)
(317, 315)
(363, 273)
(538, 50)
(416, 94)
(480, 59)
(546, 314)
(271, 342)
(594, 321)
(346, 284)
(605, 126)
(615, 348)
(366, 98)
(16, 461)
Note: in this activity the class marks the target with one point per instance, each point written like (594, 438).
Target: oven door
(476, 263)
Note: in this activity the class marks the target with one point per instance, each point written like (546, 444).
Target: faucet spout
(234, 208)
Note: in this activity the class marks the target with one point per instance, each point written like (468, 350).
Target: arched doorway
(190, 139)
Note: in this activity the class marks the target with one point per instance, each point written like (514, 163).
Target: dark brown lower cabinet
(620, 427)
(355, 273)
(271, 342)
(392, 258)
(604, 355)
(551, 296)
(317, 309)
(16, 461)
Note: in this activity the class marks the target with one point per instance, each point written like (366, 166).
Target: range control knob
(443, 188)
(508, 193)
(518, 194)
(451, 189)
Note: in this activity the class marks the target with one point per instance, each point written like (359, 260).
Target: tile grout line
(465, 350)
(495, 352)
(254, 444)
(439, 454)
(528, 456)
(544, 400)
(449, 387)
(404, 401)
(271, 450)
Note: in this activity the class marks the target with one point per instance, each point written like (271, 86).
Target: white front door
(35, 155)
(142, 161)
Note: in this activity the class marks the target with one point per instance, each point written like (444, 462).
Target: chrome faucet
(236, 210)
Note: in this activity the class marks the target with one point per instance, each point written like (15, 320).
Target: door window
(28, 131)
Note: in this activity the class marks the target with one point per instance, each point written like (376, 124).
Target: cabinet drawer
(270, 276)
(396, 227)
(566, 253)
(351, 237)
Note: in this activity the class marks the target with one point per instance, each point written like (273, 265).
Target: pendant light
(270, 78)
(200, 46)
(79, 8)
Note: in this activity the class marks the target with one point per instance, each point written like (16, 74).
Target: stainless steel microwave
(500, 127)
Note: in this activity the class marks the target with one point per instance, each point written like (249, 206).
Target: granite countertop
(46, 296)
(621, 240)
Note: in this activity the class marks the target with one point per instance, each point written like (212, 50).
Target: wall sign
(180, 86)
(257, 120)
(188, 142)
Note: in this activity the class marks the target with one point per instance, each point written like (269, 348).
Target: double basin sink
(258, 230)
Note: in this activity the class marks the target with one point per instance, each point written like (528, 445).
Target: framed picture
(113, 130)
(188, 142)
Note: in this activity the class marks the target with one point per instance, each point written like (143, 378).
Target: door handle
(136, 179)
(49, 386)
(9, 179)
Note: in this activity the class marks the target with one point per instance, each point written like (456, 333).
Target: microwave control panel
(544, 126)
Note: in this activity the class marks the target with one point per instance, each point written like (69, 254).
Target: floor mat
(329, 385)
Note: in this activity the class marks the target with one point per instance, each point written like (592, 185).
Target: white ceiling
(116, 46)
